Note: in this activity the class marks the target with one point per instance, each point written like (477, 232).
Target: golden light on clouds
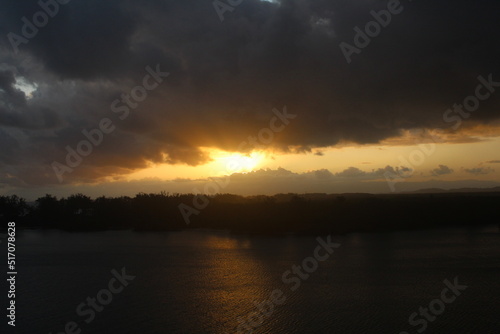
(366, 157)
(227, 163)
(222, 163)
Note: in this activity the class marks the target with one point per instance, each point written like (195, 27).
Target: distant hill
(458, 190)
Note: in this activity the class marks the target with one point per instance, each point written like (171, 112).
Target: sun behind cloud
(229, 163)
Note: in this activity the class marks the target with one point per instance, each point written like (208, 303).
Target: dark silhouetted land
(281, 213)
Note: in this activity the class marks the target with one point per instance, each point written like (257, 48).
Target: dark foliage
(281, 213)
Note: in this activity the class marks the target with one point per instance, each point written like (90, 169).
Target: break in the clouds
(226, 77)
(265, 181)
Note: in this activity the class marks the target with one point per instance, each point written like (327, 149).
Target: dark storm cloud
(226, 77)
(9, 93)
(14, 109)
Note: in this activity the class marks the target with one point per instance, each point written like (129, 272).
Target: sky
(249, 97)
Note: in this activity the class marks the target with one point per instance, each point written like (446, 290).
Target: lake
(204, 281)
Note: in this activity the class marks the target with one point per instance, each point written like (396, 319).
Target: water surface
(206, 281)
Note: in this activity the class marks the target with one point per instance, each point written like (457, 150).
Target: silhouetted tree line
(281, 213)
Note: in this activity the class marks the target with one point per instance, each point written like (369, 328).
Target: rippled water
(206, 281)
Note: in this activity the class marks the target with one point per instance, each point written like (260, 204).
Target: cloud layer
(226, 77)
